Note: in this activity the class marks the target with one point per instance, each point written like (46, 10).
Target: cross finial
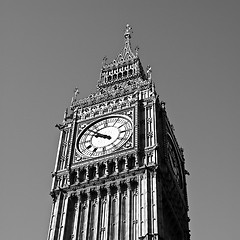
(128, 32)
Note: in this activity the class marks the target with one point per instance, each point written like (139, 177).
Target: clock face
(104, 136)
(174, 163)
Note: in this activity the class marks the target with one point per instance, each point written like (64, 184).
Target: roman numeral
(122, 124)
(94, 127)
(105, 123)
(125, 130)
(85, 142)
(123, 138)
(113, 146)
(116, 121)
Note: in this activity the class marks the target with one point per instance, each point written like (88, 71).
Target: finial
(136, 50)
(76, 92)
(104, 62)
(128, 32)
(65, 114)
(149, 72)
(153, 89)
(163, 105)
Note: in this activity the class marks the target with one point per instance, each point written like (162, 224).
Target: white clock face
(104, 135)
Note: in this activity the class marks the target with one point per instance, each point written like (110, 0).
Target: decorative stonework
(124, 75)
(134, 190)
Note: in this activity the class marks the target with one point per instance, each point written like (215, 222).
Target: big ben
(119, 171)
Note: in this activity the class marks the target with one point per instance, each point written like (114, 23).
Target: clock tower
(119, 172)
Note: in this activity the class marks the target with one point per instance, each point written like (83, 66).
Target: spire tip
(128, 32)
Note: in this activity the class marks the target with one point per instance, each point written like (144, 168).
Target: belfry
(119, 171)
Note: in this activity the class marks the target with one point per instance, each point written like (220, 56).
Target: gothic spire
(125, 66)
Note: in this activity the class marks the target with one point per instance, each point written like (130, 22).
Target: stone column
(137, 156)
(64, 215)
(88, 208)
(97, 214)
(76, 218)
(116, 165)
(52, 229)
(123, 229)
(128, 215)
(97, 170)
(57, 160)
(142, 207)
(146, 129)
(102, 215)
(71, 141)
(83, 216)
(106, 169)
(112, 213)
(154, 203)
(87, 173)
(146, 200)
(154, 112)
(107, 212)
(126, 167)
(136, 204)
(78, 175)
(51, 225)
(118, 209)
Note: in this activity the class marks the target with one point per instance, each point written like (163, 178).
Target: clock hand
(97, 134)
(103, 136)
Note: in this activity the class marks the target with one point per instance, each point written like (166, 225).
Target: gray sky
(49, 47)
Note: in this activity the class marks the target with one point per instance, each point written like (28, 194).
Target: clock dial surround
(104, 135)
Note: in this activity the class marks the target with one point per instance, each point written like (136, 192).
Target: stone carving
(104, 62)
(149, 72)
(117, 179)
(136, 51)
(61, 126)
(76, 92)
(123, 76)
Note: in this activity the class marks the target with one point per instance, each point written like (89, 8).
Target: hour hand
(97, 134)
(102, 136)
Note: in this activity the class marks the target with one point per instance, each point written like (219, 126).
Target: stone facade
(109, 186)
